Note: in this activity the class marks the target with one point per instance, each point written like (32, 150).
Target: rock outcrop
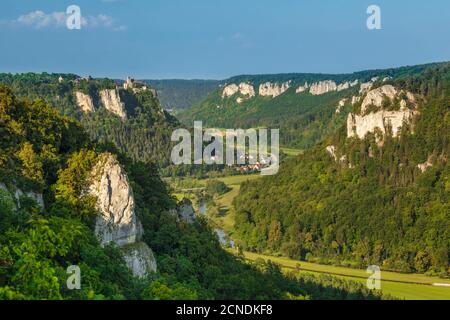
(355, 100)
(117, 221)
(185, 211)
(426, 165)
(17, 194)
(326, 86)
(340, 105)
(230, 90)
(347, 85)
(360, 125)
(245, 89)
(376, 97)
(111, 101)
(332, 151)
(366, 86)
(302, 88)
(323, 87)
(84, 102)
(273, 90)
(139, 258)
(35, 196)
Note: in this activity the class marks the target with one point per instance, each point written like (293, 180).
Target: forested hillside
(46, 225)
(181, 94)
(144, 134)
(381, 199)
(285, 102)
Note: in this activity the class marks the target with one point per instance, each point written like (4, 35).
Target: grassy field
(291, 152)
(399, 285)
(226, 219)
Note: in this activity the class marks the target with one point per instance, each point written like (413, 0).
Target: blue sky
(216, 39)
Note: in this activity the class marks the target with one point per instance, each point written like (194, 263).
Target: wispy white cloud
(39, 20)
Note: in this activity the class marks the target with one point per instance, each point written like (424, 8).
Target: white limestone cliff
(359, 125)
(111, 101)
(84, 102)
(245, 89)
(355, 100)
(273, 89)
(117, 221)
(326, 86)
(140, 259)
(340, 105)
(303, 88)
(375, 97)
(323, 87)
(230, 90)
(366, 86)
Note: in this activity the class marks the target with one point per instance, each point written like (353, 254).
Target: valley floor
(398, 285)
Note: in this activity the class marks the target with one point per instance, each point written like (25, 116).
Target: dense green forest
(143, 136)
(42, 151)
(376, 208)
(303, 119)
(181, 94)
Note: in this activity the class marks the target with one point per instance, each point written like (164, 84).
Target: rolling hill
(376, 191)
(305, 107)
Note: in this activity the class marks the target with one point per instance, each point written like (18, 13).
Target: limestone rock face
(140, 259)
(245, 89)
(332, 151)
(303, 88)
(375, 97)
(326, 86)
(367, 85)
(273, 89)
(340, 105)
(355, 100)
(117, 221)
(16, 194)
(360, 125)
(323, 87)
(230, 90)
(111, 100)
(84, 102)
(37, 197)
